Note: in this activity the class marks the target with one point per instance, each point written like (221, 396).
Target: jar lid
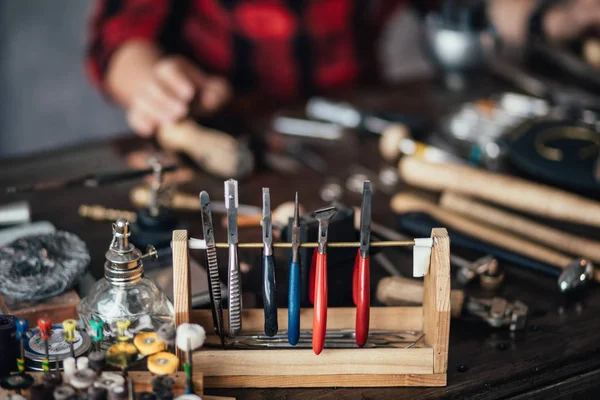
(58, 348)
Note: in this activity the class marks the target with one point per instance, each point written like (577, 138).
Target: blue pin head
(22, 328)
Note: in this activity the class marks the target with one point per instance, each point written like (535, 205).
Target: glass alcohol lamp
(124, 294)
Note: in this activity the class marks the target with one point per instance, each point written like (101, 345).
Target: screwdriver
(234, 278)
(44, 325)
(361, 275)
(294, 283)
(69, 326)
(22, 328)
(320, 282)
(268, 268)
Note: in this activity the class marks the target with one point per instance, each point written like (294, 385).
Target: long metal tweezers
(214, 283)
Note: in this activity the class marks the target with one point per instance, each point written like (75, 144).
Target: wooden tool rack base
(423, 364)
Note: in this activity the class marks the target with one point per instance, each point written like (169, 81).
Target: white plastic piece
(192, 335)
(196, 244)
(69, 367)
(421, 256)
(188, 397)
(83, 363)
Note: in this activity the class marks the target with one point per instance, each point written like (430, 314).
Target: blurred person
(164, 59)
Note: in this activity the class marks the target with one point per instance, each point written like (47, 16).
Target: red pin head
(44, 327)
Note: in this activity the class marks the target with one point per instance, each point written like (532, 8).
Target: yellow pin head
(69, 326)
(122, 326)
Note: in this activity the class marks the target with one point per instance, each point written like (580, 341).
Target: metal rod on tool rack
(198, 244)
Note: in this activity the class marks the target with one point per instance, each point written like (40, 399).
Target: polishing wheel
(148, 343)
(163, 363)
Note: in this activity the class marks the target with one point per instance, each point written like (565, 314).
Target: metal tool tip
(204, 196)
(325, 213)
(367, 185)
(265, 190)
(231, 193)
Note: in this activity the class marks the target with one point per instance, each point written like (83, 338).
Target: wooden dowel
(405, 202)
(505, 190)
(576, 245)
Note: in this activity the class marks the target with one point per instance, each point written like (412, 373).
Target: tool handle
(554, 238)
(217, 152)
(399, 291)
(235, 292)
(104, 178)
(311, 277)
(269, 288)
(100, 213)
(320, 307)
(402, 203)
(501, 189)
(362, 289)
(294, 304)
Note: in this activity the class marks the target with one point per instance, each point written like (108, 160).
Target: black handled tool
(214, 283)
(234, 278)
(268, 268)
(89, 180)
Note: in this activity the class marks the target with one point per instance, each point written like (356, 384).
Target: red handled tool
(361, 275)
(44, 326)
(320, 282)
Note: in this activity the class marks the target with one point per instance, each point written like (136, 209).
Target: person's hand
(571, 19)
(173, 89)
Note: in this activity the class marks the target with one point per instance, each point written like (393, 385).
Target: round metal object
(576, 275)
(59, 348)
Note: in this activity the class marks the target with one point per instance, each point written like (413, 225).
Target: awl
(294, 282)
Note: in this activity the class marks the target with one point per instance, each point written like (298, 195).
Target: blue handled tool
(22, 329)
(294, 284)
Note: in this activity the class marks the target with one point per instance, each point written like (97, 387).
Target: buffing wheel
(148, 343)
(163, 363)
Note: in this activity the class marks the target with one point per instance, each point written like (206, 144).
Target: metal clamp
(499, 312)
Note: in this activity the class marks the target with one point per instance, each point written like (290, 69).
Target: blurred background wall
(46, 100)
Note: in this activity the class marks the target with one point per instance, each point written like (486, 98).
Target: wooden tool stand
(423, 364)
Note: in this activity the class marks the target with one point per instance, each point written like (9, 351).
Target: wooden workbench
(558, 354)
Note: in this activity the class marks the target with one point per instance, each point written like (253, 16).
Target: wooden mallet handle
(217, 152)
(554, 238)
(405, 202)
(399, 291)
(504, 190)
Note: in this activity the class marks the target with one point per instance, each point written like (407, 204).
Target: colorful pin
(44, 326)
(69, 326)
(96, 324)
(22, 329)
(122, 326)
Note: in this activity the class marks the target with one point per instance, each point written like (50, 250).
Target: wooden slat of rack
(387, 318)
(436, 300)
(304, 362)
(250, 381)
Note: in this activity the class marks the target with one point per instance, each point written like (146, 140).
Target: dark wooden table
(558, 355)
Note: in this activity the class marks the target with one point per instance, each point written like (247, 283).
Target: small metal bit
(214, 283)
(234, 277)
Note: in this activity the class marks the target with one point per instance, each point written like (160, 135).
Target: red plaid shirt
(282, 48)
